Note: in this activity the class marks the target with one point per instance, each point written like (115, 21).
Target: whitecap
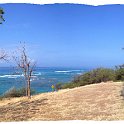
(76, 70)
(79, 73)
(63, 71)
(68, 71)
(37, 73)
(11, 76)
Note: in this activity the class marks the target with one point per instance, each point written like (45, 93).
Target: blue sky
(66, 35)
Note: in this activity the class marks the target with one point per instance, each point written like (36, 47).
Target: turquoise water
(42, 78)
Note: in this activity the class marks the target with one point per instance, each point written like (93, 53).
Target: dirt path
(93, 102)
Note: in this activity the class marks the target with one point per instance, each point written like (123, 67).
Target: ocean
(42, 80)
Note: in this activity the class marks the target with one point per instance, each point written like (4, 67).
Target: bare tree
(26, 65)
(3, 55)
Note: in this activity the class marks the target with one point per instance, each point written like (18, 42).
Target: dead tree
(27, 66)
(3, 55)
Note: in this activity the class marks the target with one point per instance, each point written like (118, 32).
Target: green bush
(1, 98)
(98, 75)
(95, 76)
(13, 92)
(58, 86)
(119, 72)
(70, 85)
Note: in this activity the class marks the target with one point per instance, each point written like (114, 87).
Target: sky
(65, 35)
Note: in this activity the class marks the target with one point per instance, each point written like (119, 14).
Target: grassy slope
(92, 102)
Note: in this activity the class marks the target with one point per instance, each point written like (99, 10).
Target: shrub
(95, 76)
(119, 72)
(1, 98)
(58, 86)
(13, 92)
(70, 85)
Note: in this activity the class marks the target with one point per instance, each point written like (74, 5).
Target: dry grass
(92, 102)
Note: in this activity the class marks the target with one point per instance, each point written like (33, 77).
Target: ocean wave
(68, 71)
(79, 73)
(63, 71)
(37, 73)
(77, 70)
(11, 76)
(15, 76)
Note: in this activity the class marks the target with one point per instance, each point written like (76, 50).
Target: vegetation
(26, 65)
(95, 76)
(3, 55)
(58, 86)
(1, 15)
(120, 72)
(120, 76)
(70, 85)
(13, 92)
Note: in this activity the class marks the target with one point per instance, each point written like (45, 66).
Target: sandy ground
(92, 102)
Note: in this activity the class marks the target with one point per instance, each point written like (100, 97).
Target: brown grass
(91, 102)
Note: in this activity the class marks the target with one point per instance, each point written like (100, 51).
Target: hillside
(91, 102)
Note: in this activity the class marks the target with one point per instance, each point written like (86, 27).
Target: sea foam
(62, 71)
(68, 71)
(11, 76)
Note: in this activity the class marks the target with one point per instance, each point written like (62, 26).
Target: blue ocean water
(42, 78)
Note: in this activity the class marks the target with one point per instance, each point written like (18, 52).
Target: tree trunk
(26, 88)
(29, 90)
